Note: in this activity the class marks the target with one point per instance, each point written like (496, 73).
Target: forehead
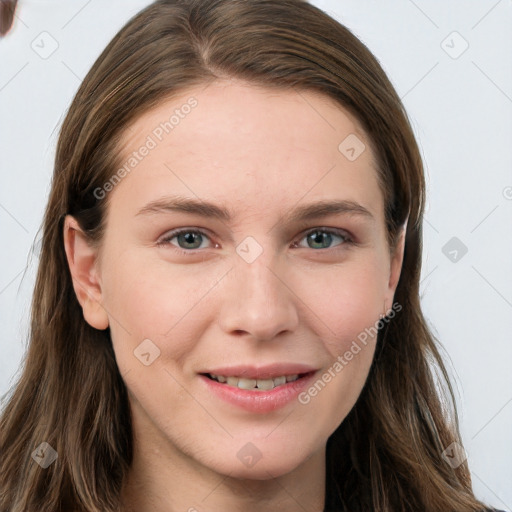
(248, 147)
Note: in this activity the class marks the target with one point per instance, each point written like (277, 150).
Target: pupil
(189, 237)
(320, 234)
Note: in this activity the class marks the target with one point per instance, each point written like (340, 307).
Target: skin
(260, 153)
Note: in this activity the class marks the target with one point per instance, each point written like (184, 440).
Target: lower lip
(259, 401)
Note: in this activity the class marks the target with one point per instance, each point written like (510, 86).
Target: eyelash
(347, 239)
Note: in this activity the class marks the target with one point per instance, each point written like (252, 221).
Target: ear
(396, 266)
(82, 260)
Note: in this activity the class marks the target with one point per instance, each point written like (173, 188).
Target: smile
(254, 384)
(258, 395)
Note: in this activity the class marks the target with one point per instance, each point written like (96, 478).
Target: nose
(258, 302)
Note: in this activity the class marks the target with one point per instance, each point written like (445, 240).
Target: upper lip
(262, 372)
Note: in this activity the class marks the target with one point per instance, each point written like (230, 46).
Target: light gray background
(460, 105)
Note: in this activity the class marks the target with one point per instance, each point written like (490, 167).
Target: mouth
(256, 384)
(258, 390)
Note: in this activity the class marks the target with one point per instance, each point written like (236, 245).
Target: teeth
(266, 384)
(246, 383)
(262, 384)
(280, 381)
(232, 381)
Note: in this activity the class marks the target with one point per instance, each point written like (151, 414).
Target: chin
(253, 464)
(260, 471)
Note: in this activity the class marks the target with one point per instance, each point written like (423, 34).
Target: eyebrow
(180, 204)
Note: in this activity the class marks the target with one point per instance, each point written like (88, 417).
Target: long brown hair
(387, 454)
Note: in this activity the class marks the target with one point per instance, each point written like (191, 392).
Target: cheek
(150, 298)
(345, 300)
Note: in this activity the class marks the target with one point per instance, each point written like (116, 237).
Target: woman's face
(248, 282)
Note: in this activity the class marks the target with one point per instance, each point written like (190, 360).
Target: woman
(255, 370)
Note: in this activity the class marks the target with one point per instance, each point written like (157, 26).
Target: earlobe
(82, 259)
